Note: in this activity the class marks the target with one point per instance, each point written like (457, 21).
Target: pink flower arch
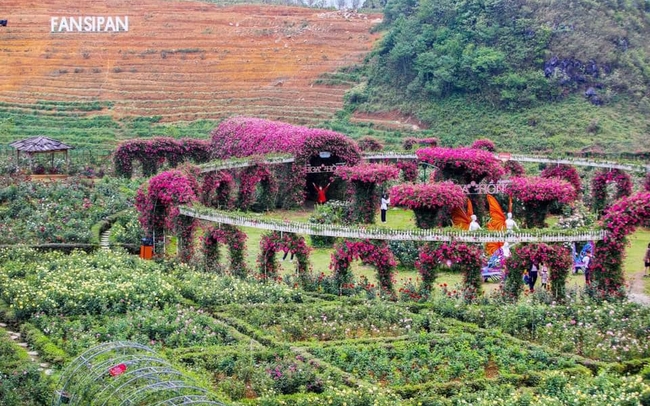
(375, 253)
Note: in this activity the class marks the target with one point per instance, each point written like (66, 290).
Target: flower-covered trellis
(599, 187)
(426, 200)
(370, 144)
(216, 189)
(557, 259)
(484, 144)
(234, 238)
(538, 194)
(463, 165)
(514, 168)
(375, 253)
(249, 179)
(566, 172)
(158, 202)
(365, 178)
(621, 219)
(466, 258)
(245, 136)
(288, 242)
(152, 152)
(409, 170)
(410, 142)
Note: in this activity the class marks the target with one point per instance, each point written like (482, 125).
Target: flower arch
(514, 168)
(152, 152)
(426, 200)
(566, 172)
(365, 178)
(249, 178)
(538, 194)
(370, 144)
(245, 136)
(463, 165)
(276, 241)
(376, 253)
(466, 257)
(234, 238)
(599, 187)
(621, 219)
(556, 257)
(157, 202)
(409, 170)
(216, 190)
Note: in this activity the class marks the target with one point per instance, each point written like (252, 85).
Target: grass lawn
(404, 219)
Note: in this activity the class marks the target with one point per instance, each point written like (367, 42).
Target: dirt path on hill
(637, 284)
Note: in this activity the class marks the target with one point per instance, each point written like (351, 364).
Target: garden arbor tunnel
(126, 373)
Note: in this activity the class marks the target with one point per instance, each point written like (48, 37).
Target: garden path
(637, 287)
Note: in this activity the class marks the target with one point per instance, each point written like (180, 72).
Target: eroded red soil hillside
(183, 60)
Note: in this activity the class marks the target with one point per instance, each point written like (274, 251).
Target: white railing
(374, 233)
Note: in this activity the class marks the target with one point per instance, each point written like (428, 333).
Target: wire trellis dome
(127, 373)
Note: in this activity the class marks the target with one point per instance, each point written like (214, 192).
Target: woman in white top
(385, 201)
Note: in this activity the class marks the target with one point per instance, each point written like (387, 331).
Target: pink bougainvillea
(514, 168)
(566, 172)
(484, 144)
(234, 238)
(216, 190)
(556, 258)
(287, 242)
(365, 178)
(249, 179)
(245, 136)
(376, 253)
(158, 202)
(538, 194)
(367, 173)
(466, 257)
(620, 220)
(646, 182)
(599, 187)
(409, 170)
(463, 165)
(427, 199)
(370, 144)
(410, 142)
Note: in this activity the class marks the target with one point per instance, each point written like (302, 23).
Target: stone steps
(34, 355)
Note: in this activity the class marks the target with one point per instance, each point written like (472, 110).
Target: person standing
(532, 277)
(587, 266)
(385, 201)
(321, 198)
(543, 273)
(646, 261)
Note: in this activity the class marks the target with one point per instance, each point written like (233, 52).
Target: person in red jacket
(321, 193)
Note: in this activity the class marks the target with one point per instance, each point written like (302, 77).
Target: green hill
(534, 75)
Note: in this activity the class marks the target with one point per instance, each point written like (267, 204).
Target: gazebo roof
(40, 144)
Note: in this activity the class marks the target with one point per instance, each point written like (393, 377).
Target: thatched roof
(40, 144)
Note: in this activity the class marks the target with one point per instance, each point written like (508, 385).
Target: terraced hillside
(180, 60)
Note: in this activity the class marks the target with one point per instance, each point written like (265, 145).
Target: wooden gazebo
(41, 145)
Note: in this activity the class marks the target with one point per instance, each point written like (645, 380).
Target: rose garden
(259, 295)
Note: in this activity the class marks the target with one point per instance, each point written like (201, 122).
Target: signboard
(485, 188)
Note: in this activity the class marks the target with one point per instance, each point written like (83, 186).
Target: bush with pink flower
(409, 170)
(245, 136)
(484, 144)
(231, 236)
(365, 178)
(466, 258)
(370, 144)
(566, 172)
(620, 220)
(426, 199)
(599, 183)
(375, 253)
(463, 165)
(537, 195)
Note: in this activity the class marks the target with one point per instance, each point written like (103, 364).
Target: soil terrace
(183, 60)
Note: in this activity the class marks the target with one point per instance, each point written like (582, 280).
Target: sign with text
(89, 24)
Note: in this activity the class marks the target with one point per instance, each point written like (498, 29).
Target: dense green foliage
(507, 68)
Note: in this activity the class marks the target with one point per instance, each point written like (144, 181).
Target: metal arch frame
(155, 373)
(189, 400)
